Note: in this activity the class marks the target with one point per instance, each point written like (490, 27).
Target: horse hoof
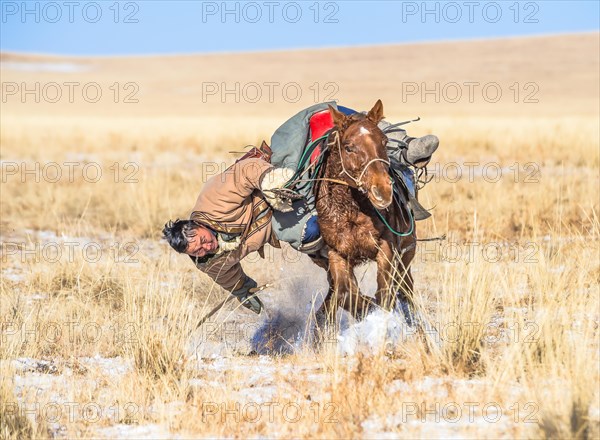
(407, 312)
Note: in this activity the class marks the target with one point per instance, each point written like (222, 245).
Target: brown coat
(231, 202)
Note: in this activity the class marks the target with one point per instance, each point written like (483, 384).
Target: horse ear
(338, 117)
(376, 113)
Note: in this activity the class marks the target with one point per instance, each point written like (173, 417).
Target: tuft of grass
(98, 283)
(15, 424)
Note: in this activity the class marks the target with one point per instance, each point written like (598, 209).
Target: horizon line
(300, 49)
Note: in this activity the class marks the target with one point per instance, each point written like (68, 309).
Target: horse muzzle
(380, 199)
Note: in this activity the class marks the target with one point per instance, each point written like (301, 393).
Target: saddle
(320, 123)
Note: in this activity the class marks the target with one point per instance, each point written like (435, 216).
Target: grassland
(99, 316)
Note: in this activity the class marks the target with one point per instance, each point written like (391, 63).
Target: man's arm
(225, 274)
(224, 201)
(224, 197)
(258, 174)
(225, 270)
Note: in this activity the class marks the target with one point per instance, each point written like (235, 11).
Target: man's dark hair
(179, 232)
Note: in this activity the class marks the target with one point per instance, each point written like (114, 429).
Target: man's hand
(275, 179)
(246, 295)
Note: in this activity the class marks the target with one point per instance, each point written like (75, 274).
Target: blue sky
(156, 27)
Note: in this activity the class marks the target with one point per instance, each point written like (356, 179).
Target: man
(230, 220)
(236, 213)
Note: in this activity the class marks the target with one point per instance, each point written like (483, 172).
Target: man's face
(204, 242)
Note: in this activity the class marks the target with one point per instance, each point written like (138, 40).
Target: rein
(411, 229)
(305, 155)
(296, 178)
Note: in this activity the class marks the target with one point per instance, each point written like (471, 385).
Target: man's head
(189, 237)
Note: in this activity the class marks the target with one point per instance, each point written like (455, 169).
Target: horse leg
(326, 313)
(384, 260)
(404, 295)
(345, 287)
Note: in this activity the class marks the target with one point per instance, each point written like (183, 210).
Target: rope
(390, 128)
(439, 238)
(410, 217)
(392, 230)
(305, 155)
(387, 162)
(341, 182)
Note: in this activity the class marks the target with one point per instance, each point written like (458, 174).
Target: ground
(99, 315)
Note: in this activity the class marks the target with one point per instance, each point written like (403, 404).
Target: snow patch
(379, 330)
(382, 330)
(124, 431)
(109, 366)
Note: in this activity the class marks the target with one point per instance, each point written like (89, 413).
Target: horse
(360, 219)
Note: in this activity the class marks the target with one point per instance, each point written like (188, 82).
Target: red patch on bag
(320, 123)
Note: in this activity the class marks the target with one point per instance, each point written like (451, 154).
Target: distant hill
(546, 75)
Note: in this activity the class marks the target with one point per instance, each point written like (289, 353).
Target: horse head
(362, 153)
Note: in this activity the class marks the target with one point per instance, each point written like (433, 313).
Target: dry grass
(110, 348)
(520, 332)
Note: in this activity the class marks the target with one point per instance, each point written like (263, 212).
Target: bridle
(357, 181)
(360, 185)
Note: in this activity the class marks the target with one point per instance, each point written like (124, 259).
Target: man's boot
(408, 150)
(420, 149)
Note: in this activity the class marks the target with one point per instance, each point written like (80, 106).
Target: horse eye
(349, 148)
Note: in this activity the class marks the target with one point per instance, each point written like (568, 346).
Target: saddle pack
(289, 142)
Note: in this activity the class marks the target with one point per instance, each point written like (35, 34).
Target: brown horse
(354, 182)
